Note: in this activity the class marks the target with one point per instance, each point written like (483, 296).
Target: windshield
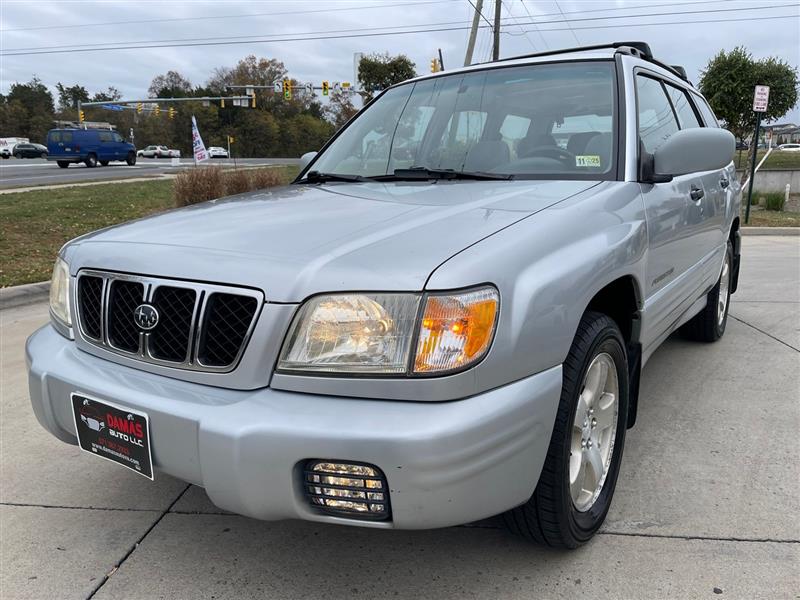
(532, 121)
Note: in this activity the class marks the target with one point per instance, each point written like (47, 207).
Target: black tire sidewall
(719, 329)
(583, 525)
(91, 161)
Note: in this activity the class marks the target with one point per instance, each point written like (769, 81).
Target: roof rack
(639, 49)
(84, 125)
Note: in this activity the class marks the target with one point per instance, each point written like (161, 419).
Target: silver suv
(443, 318)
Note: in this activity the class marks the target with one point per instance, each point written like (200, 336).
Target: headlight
(59, 293)
(373, 333)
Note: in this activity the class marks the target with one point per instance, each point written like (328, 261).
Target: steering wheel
(555, 152)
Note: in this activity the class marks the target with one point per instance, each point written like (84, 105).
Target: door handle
(696, 194)
(724, 182)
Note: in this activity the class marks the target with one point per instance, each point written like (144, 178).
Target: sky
(764, 27)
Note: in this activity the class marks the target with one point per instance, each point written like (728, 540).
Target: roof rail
(639, 49)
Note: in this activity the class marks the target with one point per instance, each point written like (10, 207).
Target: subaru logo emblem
(145, 316)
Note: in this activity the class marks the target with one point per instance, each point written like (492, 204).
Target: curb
(746, 230)
(20, 295)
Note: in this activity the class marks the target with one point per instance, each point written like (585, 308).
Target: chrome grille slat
(184, 319)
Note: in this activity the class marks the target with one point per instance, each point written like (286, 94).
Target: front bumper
(446, 463)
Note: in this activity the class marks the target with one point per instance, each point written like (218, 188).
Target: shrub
(770, 200)
(198, 185)
(237, 182)
(207, 183)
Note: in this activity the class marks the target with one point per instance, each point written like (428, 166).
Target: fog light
(347, 489)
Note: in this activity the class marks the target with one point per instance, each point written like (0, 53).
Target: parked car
(158, 152)
(742, 145)
(217, 152)
(7, 145)
(30, 151)
(89, 146)
(5, 152)
(789, 147)
(420, 340)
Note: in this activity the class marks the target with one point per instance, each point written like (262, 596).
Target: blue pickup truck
(89, 146)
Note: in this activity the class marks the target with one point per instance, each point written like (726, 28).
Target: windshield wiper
(317, 177)
(417, 173)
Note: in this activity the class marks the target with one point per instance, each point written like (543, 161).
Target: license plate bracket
(115, 433)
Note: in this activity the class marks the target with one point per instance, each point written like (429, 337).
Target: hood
(299, 240)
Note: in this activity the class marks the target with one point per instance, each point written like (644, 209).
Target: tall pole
(752, 169)
(496, 45)
(473, 33)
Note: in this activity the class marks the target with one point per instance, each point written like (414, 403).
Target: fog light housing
(355, 490)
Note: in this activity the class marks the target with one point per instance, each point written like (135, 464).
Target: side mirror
(306, 158)
(693, 150)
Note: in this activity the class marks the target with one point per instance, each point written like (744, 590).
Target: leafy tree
(340, 108)
(729, 80)
(29, 109)
(169, 85)
(379, 71)
(111, 95)
(68, 97)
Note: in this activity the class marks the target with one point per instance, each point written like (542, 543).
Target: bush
(207, 183)
(770, 200)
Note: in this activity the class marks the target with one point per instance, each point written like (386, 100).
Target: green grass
(776, 160)
(35, 224)
(771, 218)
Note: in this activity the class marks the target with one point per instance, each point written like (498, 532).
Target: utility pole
(496, 45)
(473, 33)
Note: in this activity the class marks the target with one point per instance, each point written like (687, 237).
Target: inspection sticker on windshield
(115, 433)
(587, 160)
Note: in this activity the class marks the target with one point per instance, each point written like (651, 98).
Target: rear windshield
(59, 136)
(533, 121)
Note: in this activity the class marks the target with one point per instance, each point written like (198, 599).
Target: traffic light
(231, 139)
(222, 103)
(81, 116)
(253, 100)
(139, 107)
(171, 112)
(287, 89)
(435, 66)
(325, 88)
(157, 110)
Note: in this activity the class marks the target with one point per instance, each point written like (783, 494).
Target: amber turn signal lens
(456, 330)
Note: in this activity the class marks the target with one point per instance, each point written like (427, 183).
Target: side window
(117, 137)
(105, 136)
(705, 110)
(656, 119)
(686, 115)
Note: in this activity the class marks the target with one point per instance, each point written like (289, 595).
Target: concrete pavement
(35, 172)
(707, 505)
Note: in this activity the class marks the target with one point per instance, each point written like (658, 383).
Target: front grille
(200, 327)
(123, 298)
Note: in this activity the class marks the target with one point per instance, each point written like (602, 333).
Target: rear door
(675, 214)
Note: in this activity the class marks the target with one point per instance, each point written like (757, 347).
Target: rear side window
(683, 106)
(656, 119)
(705, 110)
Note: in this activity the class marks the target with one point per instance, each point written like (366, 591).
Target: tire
(91, 161)
(18, 156)
(552, 516)
(43, 155)
(104, 162)
(130, 159)
(62, 163)
(709, 324)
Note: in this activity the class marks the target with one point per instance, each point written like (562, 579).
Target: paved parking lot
(707, 505)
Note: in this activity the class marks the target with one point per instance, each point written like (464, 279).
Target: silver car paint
(548, 246)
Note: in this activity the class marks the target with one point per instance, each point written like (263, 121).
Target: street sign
(115, 107)
(761, 98)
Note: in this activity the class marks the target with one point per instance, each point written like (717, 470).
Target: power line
(233, 40)
(388, 33)
(507, 7)
(242, 16)
(558, 6)
(530, 16)
(488, 22)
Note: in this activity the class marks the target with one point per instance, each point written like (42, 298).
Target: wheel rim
(593, 432)
(724, 283)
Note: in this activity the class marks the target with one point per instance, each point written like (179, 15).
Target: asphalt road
(707, 505)
(28, 172)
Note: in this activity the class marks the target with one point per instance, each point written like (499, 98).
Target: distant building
(782, 133)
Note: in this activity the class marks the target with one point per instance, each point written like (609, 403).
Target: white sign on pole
(761, 98)
(200, 153)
